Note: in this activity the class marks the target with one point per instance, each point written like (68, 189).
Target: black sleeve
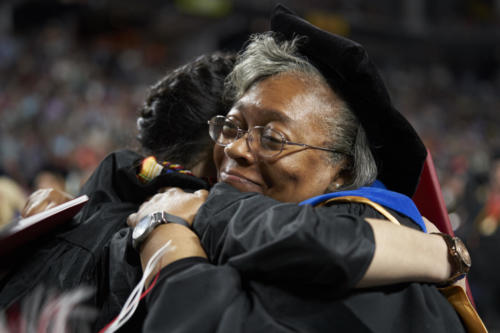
(192, 295)
(300, 247)
(282, 268)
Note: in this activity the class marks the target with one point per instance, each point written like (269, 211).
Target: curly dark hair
(172, 123)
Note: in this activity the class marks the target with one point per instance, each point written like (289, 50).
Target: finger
(26, 209)
(33, 200)
(50, 205)
(201, 193)
(154, 198)
(131, 220)
(174, 190)
(35, 208)
(160, 195)
(150, 200)
(61, 196)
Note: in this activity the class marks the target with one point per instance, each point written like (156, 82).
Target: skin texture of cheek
(217, 155)
(299, 177)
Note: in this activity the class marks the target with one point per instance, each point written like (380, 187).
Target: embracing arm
(255, 233)
(403, 255)
(193, 294)
(295, 246)
(185, 242)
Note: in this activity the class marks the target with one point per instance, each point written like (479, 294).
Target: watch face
(462, 252)
(141, 227)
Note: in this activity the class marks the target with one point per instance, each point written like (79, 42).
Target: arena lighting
(209, 8)
(330, 22)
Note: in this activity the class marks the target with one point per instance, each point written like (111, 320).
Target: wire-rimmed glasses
(264, 140)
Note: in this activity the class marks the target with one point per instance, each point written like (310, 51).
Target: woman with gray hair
(308, 128)
(347, 142)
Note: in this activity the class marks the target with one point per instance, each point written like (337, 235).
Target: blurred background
(74, 73)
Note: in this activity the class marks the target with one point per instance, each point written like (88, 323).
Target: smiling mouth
(241, 183)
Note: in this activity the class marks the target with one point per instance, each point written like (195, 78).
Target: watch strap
(156, 219)
(459, 268)
(169, 218)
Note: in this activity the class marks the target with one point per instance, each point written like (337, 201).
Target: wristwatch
(147, 224)
(459, 258)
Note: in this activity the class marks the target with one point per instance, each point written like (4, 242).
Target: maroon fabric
(429, 199)
(430, 202)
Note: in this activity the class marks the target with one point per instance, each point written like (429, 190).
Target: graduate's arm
(192, 295)
(185, 243)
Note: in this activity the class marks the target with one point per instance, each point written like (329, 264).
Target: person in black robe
(252, 263)
(352, 259)
(93, 249)
(278, 267)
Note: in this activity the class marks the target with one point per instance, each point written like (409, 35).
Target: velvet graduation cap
(399, 152)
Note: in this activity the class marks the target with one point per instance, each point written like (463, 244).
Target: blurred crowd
(459, 121)
(66, 102)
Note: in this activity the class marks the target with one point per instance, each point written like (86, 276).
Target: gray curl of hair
(265, 56)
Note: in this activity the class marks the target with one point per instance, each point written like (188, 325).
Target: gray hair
(265, 57)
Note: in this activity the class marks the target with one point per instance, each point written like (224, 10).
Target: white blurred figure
(12, 200)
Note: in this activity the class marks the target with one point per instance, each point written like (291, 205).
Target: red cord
(150, 286)
(142, 296)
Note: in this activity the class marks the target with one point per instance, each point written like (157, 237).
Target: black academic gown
(293, 271)
(276, 267)
(94, 248)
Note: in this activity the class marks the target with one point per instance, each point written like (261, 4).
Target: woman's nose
(240, 151)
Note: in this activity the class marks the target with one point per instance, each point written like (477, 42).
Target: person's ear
(335, 185)
(340, 178)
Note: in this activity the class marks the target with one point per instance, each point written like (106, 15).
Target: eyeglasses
(264, 140)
